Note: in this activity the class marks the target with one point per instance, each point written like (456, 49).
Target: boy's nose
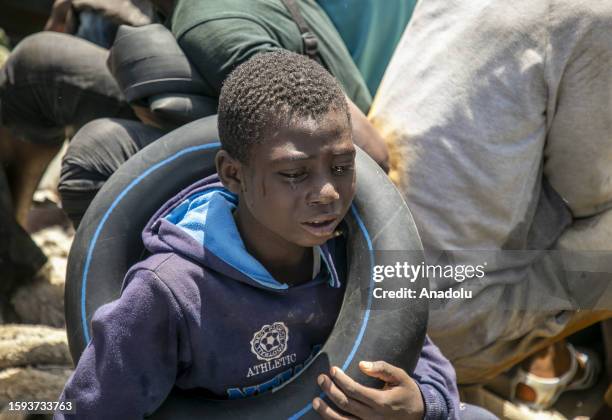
(326, 193)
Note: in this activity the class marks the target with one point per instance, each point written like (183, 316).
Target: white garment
(499, 109)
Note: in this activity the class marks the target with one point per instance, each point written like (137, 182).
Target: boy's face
(300, 181)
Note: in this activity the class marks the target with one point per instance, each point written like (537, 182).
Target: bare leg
(20, 258)
(25, 163)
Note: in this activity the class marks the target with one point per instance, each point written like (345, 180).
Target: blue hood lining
(221, 237)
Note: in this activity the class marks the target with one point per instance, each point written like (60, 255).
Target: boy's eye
(341, 169)
(294, 176)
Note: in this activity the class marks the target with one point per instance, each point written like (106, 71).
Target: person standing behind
(500, 113)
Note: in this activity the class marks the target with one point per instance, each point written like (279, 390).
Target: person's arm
(438, 383)
(430, 394)
(367, 137)
(130, 364)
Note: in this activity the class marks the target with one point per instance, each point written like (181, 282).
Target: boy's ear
(230, 171)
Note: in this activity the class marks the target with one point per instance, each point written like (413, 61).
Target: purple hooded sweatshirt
(201, 312)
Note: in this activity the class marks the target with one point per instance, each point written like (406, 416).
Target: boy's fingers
(353, 389)
(326, 412)
(341, 400)
(383, 371)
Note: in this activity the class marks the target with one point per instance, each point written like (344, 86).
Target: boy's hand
(400, 398)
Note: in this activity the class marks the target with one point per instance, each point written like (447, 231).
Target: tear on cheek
(292, 184)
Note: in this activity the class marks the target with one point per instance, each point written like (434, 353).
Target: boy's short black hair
(271, 89)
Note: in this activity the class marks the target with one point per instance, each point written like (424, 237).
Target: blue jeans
(95, 28)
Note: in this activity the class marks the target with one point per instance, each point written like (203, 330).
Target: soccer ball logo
(270, 341)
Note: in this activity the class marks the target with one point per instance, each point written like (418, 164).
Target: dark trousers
(94, 154)
(53, 84)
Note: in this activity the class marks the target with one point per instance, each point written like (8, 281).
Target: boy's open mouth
(321, 226)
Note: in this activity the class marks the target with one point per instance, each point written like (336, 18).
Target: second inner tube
(108, 242)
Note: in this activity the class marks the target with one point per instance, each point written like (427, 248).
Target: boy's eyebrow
(298, 156)
(294, 156)
(347, 151)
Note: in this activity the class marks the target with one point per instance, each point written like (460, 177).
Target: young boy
(250, 256)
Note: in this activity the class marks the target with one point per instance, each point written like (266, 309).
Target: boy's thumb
(383, 371)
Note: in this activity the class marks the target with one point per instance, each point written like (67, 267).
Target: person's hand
(400, 398)
(145, 115)
(59, 19)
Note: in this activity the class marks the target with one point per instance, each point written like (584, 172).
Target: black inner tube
(108, 242)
